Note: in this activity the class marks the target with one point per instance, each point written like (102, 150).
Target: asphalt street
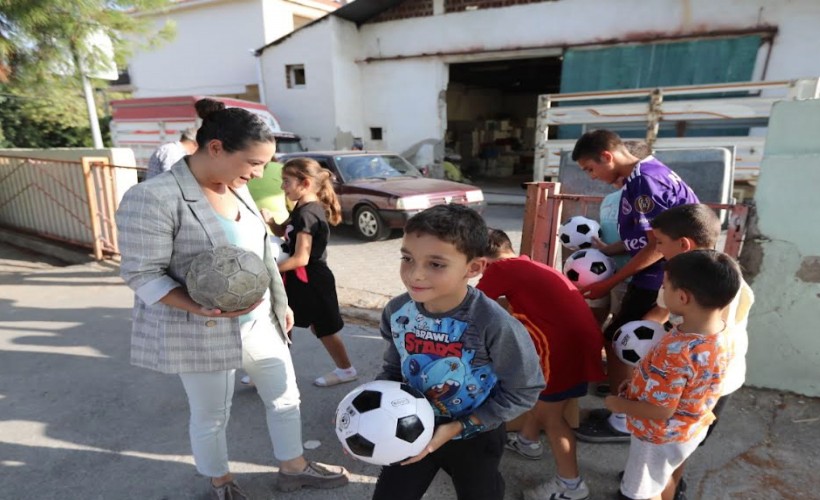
(77, 421)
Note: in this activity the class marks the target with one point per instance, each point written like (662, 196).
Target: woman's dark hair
(234, 127)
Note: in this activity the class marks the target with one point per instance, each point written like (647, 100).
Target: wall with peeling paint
(783, 254)
(401, 67)
(309, 111)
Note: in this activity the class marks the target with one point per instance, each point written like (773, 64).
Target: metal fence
(542, 220)
(68, 201)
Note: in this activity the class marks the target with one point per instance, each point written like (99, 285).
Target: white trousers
(266, 358)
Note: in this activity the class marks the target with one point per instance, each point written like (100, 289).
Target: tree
(40, 42)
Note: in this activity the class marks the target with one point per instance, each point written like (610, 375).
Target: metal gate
(68, 201)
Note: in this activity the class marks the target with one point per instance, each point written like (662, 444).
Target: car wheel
(369, 224)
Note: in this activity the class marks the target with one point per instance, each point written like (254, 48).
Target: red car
(380, 191)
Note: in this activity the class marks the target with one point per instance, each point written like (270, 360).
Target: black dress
(312, 290)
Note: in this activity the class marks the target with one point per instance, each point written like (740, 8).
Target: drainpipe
(260, 78)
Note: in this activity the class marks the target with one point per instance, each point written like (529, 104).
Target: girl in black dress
(309, 283)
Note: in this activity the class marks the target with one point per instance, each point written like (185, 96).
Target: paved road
(77, 421)
(367, 273)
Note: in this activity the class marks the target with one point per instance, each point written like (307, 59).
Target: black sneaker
(600, 431)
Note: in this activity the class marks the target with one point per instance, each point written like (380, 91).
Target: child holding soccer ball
(650, 187)
(672, 393)
(474, 362)
(692, 227)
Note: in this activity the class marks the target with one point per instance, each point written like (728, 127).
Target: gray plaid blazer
(163, 223)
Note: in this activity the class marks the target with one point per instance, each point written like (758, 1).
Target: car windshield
(375, 167)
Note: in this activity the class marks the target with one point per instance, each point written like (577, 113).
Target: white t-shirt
(736, 316)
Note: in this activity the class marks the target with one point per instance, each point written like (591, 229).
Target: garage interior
(491, 111)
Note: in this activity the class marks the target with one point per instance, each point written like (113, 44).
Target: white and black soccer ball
(229, 278)
(384, 422)
(634, 340)
(588, 266)
(577, 232)
(277, 249)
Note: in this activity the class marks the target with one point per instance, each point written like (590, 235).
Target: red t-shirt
(565, 333)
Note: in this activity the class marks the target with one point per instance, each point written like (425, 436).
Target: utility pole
(90, 104)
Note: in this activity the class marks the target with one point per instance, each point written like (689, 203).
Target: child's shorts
(577, 391)
(650, 466)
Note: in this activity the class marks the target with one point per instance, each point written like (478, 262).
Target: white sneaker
(246, 380)
(557, 490)
(533, 451)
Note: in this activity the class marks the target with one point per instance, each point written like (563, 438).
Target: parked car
(379, 191)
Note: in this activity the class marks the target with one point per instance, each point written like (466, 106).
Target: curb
(65, 253)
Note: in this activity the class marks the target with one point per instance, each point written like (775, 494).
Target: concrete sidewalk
(77, 421)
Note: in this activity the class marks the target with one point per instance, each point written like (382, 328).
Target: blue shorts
(578, 391)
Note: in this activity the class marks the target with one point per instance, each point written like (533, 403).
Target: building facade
(212, 50)
(415, 76)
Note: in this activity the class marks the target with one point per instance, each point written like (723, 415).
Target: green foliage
(41, 99)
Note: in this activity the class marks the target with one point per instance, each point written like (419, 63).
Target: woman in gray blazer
(163, 223)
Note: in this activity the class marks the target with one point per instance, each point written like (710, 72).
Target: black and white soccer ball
(228, 278)
(588, 266)
(384, 422)
(635, 339)
(577, 232)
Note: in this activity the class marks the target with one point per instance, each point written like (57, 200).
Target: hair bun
(205, 107)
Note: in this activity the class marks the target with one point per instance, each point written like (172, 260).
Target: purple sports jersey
(650, 189)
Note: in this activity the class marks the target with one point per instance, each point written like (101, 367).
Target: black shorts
(314, 303)
(634, 306)
(471, 463)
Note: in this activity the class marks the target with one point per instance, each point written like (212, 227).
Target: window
(375, 133)
(295, 75)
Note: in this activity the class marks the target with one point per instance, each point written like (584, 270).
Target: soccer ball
(277, 250)
(577, 232)
(228, 278)
(384, 422)
(633, 340)
(588, 266)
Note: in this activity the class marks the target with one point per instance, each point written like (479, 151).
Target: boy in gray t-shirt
(474, 362)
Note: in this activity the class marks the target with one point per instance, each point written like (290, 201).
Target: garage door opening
(491, 111)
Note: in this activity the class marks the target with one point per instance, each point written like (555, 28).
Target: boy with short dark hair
(693, 227)
(670, 398)
(568, 341)
(474, 362)
(650, 187)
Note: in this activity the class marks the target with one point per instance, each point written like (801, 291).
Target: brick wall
(462, 5)
(405, 10)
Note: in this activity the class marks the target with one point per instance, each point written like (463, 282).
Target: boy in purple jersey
(650, 187)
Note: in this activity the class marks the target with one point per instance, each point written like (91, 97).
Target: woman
(165, 222)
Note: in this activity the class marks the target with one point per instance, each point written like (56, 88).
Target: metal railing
(649, 108)
(68, 201)
(542, 220)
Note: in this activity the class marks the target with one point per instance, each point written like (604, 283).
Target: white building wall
(404, 64)
(583, 22)
(210, 54)
(212, 50)
(347, 79)
(406, 99)
(309, 110)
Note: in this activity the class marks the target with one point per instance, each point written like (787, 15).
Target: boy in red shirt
(568, 340)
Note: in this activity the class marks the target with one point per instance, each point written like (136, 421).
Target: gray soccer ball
(228, 278)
